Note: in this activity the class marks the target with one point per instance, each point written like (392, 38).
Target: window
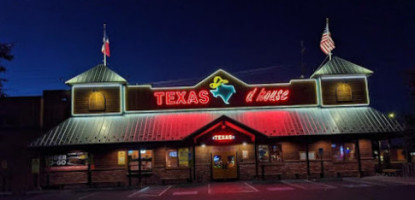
(177, 157)
(344, 92)
(311, 155)
(276, 153)
(270, 153)
(263, 153)
(68, 159)
(96, 101)
(343, 151)
(146, 160)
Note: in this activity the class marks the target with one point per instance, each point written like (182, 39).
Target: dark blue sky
(154, 41)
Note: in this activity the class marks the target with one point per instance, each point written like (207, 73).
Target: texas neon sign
(219, 86)
(182, 97)
(222, 90)
(223, 137)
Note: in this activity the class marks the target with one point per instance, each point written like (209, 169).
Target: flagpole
(327, 24)
(105, 56)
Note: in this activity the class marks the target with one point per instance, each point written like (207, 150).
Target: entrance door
(224, 165)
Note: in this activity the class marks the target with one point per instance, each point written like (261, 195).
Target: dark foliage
(5, 54)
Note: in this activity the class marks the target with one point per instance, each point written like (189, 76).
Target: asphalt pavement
(349, 188)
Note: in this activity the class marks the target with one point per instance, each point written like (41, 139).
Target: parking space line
(162, 192)
(252, 187)
(279, 188)
(365, 182)
(185, 193)
(86, 196)
(294, 185)
(327, 185)
(142, 190)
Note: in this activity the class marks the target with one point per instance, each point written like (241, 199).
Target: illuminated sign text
(223, 137)
(181, 97)
(267, 95)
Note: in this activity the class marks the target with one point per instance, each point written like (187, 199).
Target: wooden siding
(329, 94)
(81, 99)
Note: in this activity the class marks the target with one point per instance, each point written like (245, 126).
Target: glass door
(224, 165)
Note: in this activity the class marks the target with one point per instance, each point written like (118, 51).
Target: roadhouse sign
(222, 90)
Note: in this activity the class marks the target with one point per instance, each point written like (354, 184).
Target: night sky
(258, 41)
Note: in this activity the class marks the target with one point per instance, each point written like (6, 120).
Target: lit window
(68, 159)
(146, 160)
(183, 157)
(177, 158)
(343, 151)
(263, 153)
(270, 153)
(276, 153)
(171, 158)
(344, 92)
(96, 101)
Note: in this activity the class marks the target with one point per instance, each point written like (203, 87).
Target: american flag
(106, 45)
(326, 43)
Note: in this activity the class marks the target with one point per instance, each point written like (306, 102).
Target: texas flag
(106, 45)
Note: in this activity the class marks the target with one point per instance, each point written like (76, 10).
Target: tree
(409, 132)
(5, 54)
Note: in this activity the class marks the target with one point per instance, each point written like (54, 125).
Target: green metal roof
(151, 127)
(97, 74)
(339, 66)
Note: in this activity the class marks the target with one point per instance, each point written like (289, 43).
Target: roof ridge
(340, 66)
(97, 74)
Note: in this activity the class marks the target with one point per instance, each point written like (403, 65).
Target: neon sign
(181, 97)
(223, 137)
(222, 90)
(264, 95)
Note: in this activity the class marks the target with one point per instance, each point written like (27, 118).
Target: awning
(150, 127)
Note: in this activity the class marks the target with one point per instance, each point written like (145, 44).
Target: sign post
(320, 153)
(35, 171)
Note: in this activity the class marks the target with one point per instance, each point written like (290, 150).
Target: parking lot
(286, 189)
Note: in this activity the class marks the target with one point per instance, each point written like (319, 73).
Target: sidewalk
(392, 179)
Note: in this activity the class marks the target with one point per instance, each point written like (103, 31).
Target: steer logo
(220, 89)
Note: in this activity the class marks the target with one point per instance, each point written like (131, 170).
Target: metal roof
(339, 66)
(177, 126)
(98, 74)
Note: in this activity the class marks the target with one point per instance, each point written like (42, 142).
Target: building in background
(23, 119)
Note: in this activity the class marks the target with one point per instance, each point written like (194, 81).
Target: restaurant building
(222, 128)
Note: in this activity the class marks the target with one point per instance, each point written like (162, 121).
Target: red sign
(267, 95)
(181, 97)
(222, 90)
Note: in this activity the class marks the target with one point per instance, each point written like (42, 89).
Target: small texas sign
(221, 90)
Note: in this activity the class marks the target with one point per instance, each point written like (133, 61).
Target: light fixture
(244, 143)
(203, 145)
